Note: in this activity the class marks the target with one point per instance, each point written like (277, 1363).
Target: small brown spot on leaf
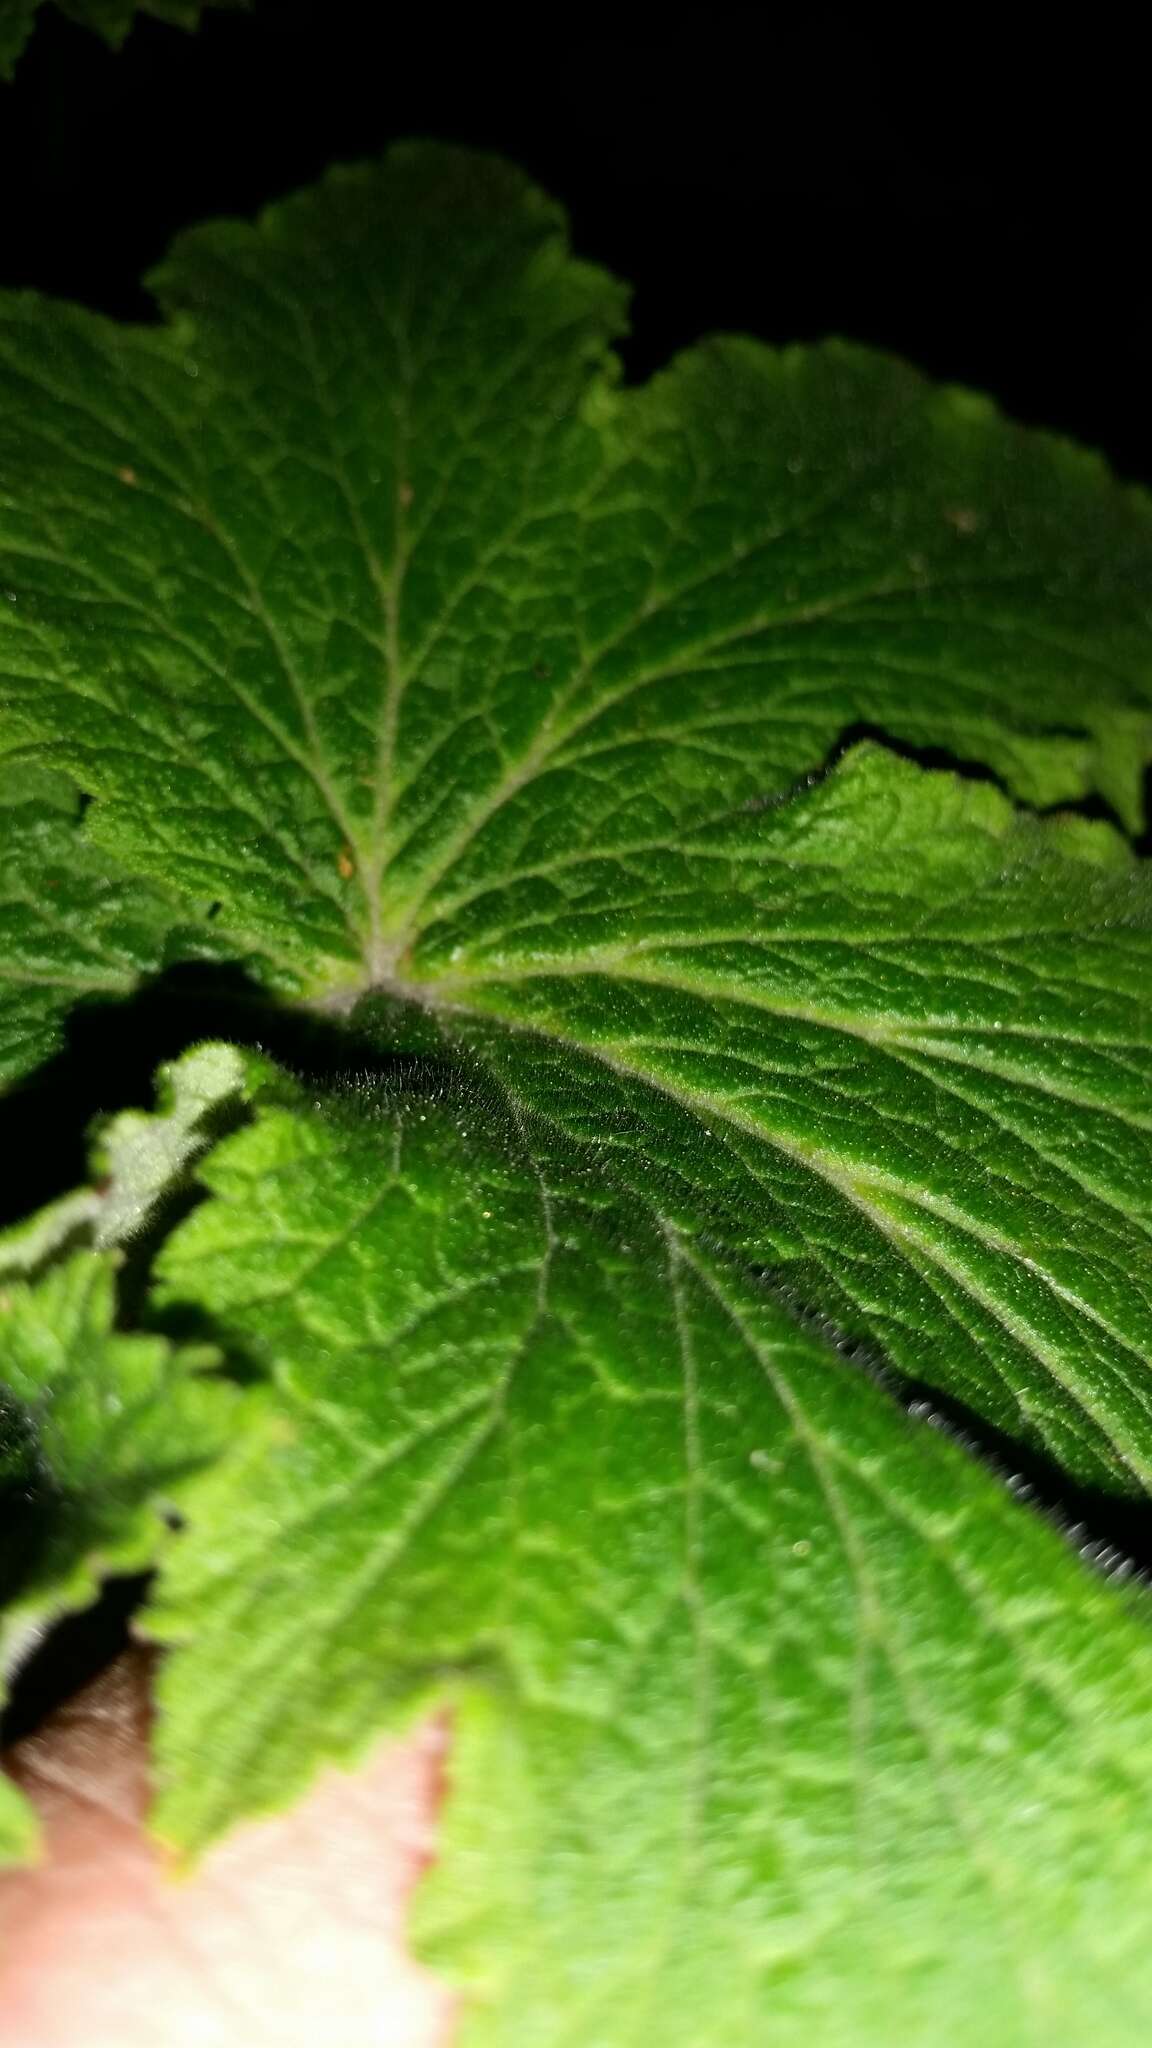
(345, 863)
(405, 494)
(963, 518)
(126, 475)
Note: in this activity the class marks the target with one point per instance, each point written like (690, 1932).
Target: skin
(291, 1930)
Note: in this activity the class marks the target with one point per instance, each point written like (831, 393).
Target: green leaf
(770, 1707)
(111, 19)
(98, 1433)
(99, 1430)
(363, 579)
(505, 707)
(140, 1160)
(99, 1425)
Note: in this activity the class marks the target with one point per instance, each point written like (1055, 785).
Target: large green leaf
(363, 580)
(775, 1718)
(504, 706)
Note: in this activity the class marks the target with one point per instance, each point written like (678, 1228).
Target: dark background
(918, 187)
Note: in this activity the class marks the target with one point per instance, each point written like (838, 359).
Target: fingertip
(292, 1928)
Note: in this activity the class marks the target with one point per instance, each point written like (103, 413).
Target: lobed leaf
(362, 580)
(409, 657)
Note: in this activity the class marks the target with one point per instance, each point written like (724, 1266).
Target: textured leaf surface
(363, 579)
(890, 1040)
(110, 18)
(758, 1684)
(462, 662)
(374, 614)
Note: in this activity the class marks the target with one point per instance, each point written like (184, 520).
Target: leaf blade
(534, 586)
(372, 609)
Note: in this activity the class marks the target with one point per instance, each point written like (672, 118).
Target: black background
(980, 214)
(920, 188)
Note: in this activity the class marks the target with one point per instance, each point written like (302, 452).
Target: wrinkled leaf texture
(734, 1071)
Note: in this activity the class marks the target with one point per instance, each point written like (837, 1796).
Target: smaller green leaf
(99, 1423)
(138, 1159)
(98, 1433)
(98, 1429)
(141, 1156)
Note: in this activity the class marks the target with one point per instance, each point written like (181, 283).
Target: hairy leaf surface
(546, 729)
(890, 1041)
(363, 580)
